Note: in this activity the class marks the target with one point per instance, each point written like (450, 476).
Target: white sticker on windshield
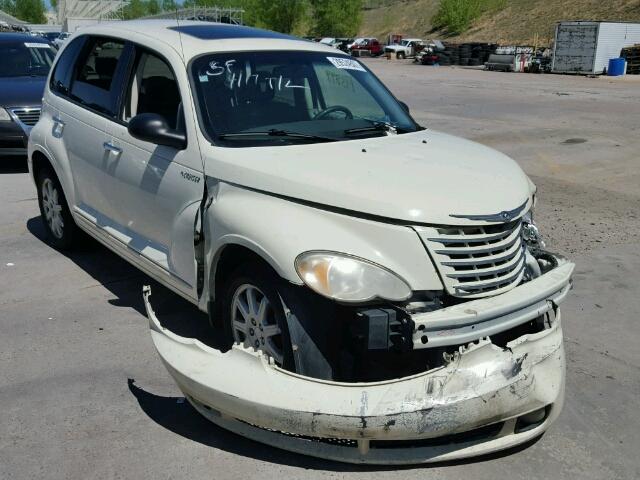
(37, 45)
(346, 63)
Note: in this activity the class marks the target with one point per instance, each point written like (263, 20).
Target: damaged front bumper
(484, 399)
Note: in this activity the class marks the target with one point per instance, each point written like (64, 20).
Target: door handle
(110, 147)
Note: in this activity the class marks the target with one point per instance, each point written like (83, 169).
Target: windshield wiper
(277, 133)
(376, 126)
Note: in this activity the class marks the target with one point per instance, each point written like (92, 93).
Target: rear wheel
(60, 227)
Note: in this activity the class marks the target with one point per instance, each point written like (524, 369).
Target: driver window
(154, 90)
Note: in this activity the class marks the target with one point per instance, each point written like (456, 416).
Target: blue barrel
(616, 67)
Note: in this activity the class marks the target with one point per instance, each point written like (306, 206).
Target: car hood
(423, 177)
(21, 91)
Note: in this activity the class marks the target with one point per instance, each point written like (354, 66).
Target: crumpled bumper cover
(390, 422)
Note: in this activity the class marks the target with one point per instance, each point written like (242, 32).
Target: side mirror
(153, 128)
(405, 107)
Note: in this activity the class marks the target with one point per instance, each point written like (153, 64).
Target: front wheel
(260, 310)
(255, 322)
(253, 315)
(59, 224)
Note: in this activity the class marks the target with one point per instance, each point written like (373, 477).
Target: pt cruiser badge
(503, 216)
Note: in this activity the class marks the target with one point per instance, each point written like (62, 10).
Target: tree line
(332, 18)
(30, 11)
(337, 18)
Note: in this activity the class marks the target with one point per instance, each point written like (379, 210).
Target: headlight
(4, 115)
(349, 279)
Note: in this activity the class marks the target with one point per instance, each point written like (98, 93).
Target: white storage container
(586, 47)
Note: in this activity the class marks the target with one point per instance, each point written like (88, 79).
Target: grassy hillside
(518, 22)
(408, 17)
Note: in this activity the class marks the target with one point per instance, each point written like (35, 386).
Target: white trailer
(587, 47)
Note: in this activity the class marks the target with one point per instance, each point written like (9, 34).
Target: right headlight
(349, 279)
(4, 115)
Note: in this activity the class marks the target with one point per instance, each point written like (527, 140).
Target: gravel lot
(83, 394)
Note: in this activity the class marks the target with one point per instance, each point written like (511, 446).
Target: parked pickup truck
(379, 290)
(408, 47)
(366, 46)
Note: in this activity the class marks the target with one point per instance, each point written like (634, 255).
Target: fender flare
(65, 181)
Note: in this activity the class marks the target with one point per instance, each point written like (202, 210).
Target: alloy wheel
(52, 208)
(254, 323)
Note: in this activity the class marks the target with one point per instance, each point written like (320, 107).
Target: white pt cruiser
(381, 287)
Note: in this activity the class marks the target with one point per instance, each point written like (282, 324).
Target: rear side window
(61, 77)
(96, 73)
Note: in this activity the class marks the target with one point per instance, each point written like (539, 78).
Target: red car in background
(367, 46)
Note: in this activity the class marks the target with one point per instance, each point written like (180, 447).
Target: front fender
(278, 230)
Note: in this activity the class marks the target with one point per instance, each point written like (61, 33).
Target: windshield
(21, 59)
(329, 96)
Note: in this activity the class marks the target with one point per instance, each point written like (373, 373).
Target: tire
(270, 332)
(400, 55)
(61, 230)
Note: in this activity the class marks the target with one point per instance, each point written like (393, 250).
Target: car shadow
(16, 164)
(175, 414)
(125, 283)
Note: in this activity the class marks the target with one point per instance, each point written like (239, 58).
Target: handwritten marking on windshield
(239, 80)
(215, 69)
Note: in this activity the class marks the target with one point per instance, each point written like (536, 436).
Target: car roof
(21, 37)
(192, 38)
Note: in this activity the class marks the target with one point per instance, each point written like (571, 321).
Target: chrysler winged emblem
(504, 216)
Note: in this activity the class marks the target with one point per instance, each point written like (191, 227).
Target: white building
(73, 14)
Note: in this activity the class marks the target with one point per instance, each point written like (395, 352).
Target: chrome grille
(477, 261)
(27, 116)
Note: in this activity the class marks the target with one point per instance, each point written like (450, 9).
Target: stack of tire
(466, 54)
(452, 52)
(444, 58)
